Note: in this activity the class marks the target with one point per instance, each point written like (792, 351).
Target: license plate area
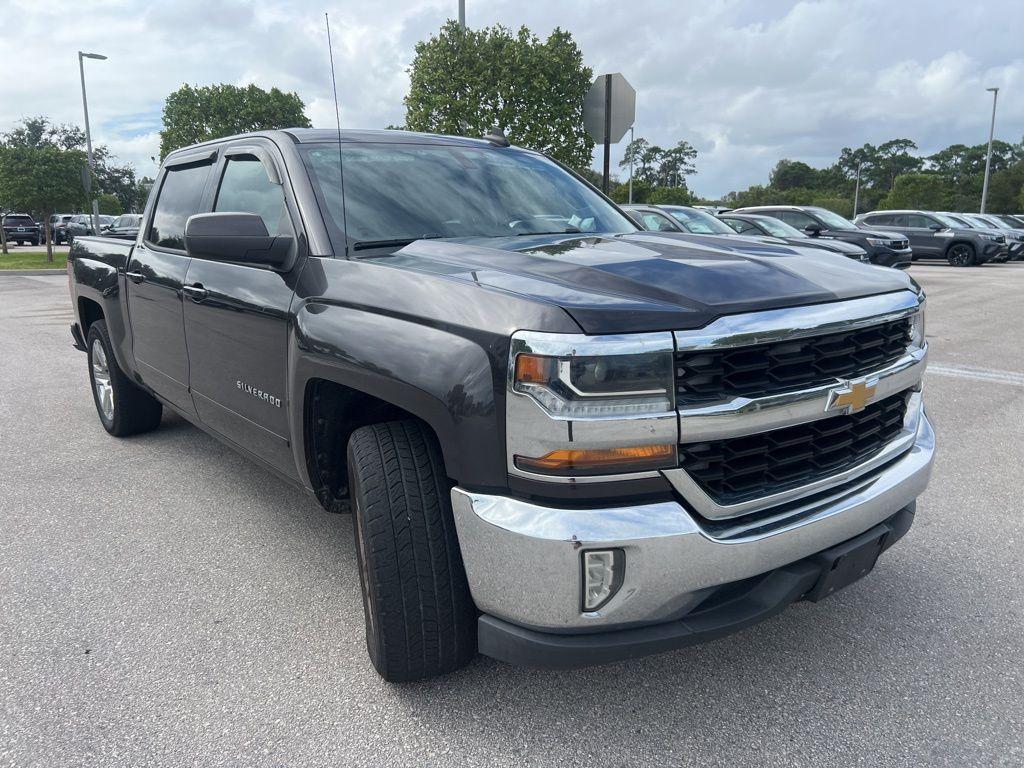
(847, 562)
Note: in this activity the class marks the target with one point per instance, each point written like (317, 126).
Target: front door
(925, 235)
(237, 321)
(155, 274)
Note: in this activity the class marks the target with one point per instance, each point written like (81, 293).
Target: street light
(988, 157)
(82, 56)
(631, 165)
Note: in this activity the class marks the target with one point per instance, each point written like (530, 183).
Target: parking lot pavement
(164, 601)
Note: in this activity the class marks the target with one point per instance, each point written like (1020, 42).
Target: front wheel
(123, 408)
(420, 618)
(961, 255)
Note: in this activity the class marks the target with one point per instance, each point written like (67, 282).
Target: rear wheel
(961, 255)
(123, 408)
(420, 618)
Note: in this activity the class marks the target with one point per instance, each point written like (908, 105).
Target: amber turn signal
(600, 460)
(535, 369)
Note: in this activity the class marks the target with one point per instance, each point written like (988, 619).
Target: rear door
(155, 274)
(237, 315)
(924, 240)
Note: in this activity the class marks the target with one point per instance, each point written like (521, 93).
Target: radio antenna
(337, 119)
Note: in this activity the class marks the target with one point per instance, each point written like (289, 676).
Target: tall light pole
(988, 156)
(462, 15)
(856, 190)
(88, 137)
(631, 152)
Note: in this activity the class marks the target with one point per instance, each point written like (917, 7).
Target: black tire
(131, 410)
(420, 617)
(961, 255)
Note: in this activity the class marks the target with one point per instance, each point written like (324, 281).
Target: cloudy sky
(745, 81)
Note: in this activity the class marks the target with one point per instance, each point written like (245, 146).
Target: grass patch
(32, 260)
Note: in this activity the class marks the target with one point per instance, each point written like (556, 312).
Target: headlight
(917, 328)
(608, 385)
(991, 238)
(879, 242)
(585, 406)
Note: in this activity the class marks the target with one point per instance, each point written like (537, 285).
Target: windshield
(833, 220)
(395, 193)
(947, 221)
(779, 228)
(978, 222)
(700, 223)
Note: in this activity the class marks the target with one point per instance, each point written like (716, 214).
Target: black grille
(753, 466)
(765, 369)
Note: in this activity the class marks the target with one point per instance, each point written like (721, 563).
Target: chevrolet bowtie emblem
(852, 397)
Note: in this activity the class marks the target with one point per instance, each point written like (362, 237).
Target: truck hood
(647, 281)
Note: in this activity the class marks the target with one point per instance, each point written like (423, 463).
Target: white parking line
(978, 374)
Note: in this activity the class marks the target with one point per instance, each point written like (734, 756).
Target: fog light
(602, 576)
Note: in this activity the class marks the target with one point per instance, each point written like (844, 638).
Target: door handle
(135, 277)
(196, 292)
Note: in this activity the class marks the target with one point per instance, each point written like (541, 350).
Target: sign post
(609, 110)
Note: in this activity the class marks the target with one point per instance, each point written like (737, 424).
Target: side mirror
(235, 237)
(813, 229)
(936, 227)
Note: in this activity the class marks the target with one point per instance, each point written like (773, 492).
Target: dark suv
(887, 249)
(937, 236)
(21, 229)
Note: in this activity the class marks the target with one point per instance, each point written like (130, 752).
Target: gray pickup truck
(564, 441)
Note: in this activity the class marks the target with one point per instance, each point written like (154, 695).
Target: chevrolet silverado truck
(563, 440)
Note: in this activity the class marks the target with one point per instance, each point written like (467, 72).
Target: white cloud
(746, 81)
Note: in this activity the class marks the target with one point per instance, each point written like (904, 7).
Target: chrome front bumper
(523, 560)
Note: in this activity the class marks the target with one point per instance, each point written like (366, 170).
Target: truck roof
(330, 135)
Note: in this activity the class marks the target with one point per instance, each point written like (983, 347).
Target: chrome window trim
(707, 507)
(774, 325)
(753, 415)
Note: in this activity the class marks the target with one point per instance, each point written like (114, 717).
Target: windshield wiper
(569, 231)
(397, 242)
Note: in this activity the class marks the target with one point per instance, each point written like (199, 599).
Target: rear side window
(245, 188)
(181, 195)
(880, 218)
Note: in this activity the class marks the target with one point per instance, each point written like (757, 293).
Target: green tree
(41, 180)
(927, 191)
(194, 114)
(108, 177)
(1004, 189)
(467, 81)
(656, 167)
(789, 174)
(109, 205)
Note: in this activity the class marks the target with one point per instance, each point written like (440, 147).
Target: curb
(32, 272)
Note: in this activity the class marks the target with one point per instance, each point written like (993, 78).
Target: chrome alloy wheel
(101, 381)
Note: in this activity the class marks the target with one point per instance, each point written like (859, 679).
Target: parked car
(1014, 222)
(984, 227)
(81, 225)
(125, 226)
(1014, 236)
(696, 227)
(935, 236)
(59, 226)
(20, 228)
(563, 441)
(889, 249)
(766, 226)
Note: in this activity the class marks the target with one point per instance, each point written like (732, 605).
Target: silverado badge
(259, 394)
(852, 396)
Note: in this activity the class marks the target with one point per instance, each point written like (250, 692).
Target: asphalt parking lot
(164, 601)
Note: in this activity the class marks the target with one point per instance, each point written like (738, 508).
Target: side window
(917, 220)
(879, 219)
(794, 218)
(181, 194)
(743, 227)
(656, 223)
(245, 188)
